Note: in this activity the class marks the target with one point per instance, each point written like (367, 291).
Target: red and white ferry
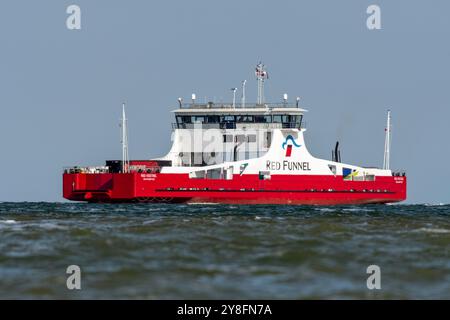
(236, 154)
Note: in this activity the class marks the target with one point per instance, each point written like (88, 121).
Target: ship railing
(398, 173)
(234, 125)
(78, 169)
(227, 105)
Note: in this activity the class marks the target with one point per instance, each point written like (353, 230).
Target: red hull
(245, 189)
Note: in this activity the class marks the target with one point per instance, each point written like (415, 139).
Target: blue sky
(61, 90)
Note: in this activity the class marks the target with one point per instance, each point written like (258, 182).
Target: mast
(387, 142)
(234, 97)
(125, 159)
(243, 94)
(261, 75)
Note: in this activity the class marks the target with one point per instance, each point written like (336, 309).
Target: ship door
(228, 174)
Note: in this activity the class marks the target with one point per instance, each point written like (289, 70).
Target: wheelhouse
(226, 117)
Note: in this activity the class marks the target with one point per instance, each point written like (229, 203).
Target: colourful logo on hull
(288, 146)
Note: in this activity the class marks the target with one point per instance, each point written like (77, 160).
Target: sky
(61, 90)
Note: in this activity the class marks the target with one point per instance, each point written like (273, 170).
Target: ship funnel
(336, 153)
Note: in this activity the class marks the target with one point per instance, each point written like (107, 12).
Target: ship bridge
(229, 116)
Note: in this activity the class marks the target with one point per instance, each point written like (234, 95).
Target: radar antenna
(261, 76)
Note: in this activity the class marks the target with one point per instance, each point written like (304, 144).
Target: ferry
(237, 153)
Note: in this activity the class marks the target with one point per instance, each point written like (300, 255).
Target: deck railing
(77, 169)
(234, 125)
(228, 105)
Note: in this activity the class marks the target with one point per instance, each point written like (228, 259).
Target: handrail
(86, 169)
(228, 105)
(232, 125)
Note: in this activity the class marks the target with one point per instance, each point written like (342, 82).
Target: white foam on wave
(358, 210)
(149, 222)
(47, 226)
(325, 209)
(8, 221)
(434, 230)
(434, 204)
(201, 203)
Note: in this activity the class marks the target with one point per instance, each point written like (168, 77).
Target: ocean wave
(324, 209)
(358, 210)
(434, 230)
(147, 222)
(46, 226)
(8, 221)
(440, 204)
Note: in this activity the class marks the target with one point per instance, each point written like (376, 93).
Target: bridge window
(184, 119)
(298, 120)
(245, 119)
(263, 119)
(198, 119)
(213, 119)
(277, 119)
(227, 119)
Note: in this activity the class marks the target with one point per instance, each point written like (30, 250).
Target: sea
(207, 251)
